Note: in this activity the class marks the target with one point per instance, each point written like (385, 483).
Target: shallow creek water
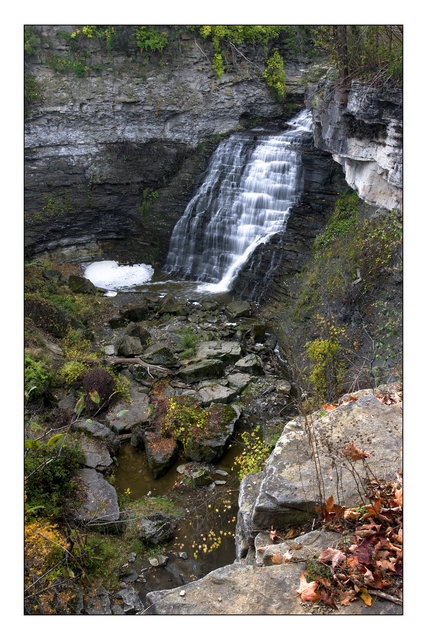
(205, 532)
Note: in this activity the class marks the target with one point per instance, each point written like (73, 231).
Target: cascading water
(252, 181)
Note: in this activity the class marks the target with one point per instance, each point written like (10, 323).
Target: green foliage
(105, 33)
(274, 74)
(72, 371)
(255, 453)
(66, 64)
(184, 419)
(218, 64)
(189, 342)
(363, 51)
(30, 41)
(148, 199)
(33, 92)
(150, 39)
(46, 315)
(37, 376)
(54, 208)
(327, 366)
(49, 470)
(341, 223)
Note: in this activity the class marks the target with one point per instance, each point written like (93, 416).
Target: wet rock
(159, 561)
(137, 330)
(251, 364)
(160, 354)
(171, 304)
(78, 284)
(156, 528)
(239, 380)
(202, 370)
(160, 451)
(98, 505)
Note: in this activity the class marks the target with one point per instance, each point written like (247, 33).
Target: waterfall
(252, 181)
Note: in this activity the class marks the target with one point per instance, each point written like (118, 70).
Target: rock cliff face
(111, 153)
(362, 128)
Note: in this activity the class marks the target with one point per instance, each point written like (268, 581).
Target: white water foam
(109, 274)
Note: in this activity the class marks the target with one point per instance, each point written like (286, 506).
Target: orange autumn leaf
(329, 504)
(307, 590)
(352, 452)
(329, 407)
(398, 496)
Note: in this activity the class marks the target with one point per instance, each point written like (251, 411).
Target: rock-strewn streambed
(199, 372)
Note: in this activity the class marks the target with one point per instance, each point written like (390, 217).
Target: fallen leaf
(307, 590)
(273, 534)
(366, 597)
(329, 407)
(352, 452)
(398, 494)
(296, 546)
(335, 556)
(346, 597)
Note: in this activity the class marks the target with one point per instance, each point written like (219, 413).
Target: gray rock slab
(309, 543)
(228, 352)
(98, 430)
(242, 589)
(250, 364)
(216, 393)
(127, 415)
(96, 453)
(205, 369)
(98, 503)
(239, 380)
(289, 492)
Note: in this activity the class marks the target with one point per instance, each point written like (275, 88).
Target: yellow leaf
(367, 599)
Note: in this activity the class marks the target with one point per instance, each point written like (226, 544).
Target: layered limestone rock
(362, 128)
(113, 152)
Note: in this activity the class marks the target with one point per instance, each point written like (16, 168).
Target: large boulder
(210, 445)
(78, 284)
(97, 504)
(160, 451)
(227, 351)
(96, 454)
(212, 391)
(251, 364)
(156, 528)
(289, 491)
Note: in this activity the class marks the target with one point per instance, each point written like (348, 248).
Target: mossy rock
(210, 444)
(48, 316)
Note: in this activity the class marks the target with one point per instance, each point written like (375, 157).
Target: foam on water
(108, 274)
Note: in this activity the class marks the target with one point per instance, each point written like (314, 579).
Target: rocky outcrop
(362, 128)
(287, 491)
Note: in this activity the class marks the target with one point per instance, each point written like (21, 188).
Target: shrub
(49, 470)
(184, 419)
(72, 371)
(46, 315)
(274, 74)
(327, 366)
(99, 385)
(37, 377)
